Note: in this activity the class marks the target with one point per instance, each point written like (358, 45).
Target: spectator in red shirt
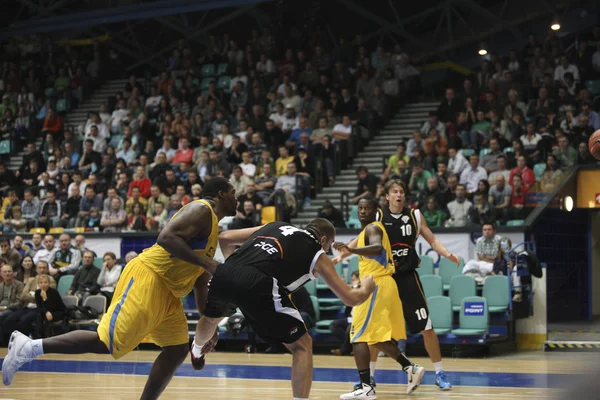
(53, 123)
(140, 180)
(185, 154)
(519, 189)
(526, 173)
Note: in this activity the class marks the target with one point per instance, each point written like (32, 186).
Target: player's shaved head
(215, 185)
(321, 227)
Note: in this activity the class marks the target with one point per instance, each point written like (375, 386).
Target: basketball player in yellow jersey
(146, 302)
(379, 321)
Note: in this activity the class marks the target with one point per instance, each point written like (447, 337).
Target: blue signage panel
(474, 309)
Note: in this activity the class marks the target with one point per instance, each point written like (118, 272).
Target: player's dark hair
(374, 202)
(321, 227)
(213, 186)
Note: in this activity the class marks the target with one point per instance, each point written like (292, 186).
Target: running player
(146, 302)
(378, 322)
(275, 261)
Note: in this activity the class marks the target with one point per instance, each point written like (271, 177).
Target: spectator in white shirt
(457, 161)
(109, 275)
(77, 181)
(291, 99)
(239, 77)
(119, 115)
(46, 253)
(286, 82)
(290, 121)
(248, 168)
(501, 171)
(154, 99)
(471, 175)
(459, 208)
(433, 122)
(563, 68)
(167, 149)
(344, 130)
(99, 141)
(127, 153)
(95, 120)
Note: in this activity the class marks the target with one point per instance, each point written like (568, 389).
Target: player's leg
(163, 369)
(302, 366)
(417, 317)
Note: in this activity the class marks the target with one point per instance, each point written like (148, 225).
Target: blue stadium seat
(515, 222)
(221, 69)
(440, 312)
(64, 284)
(593, 86)
(224, 83)
(509, 150)
(98, 261)
(205, 82)
(320, 326)
(496, 292)
(483, 152)
(474, 317)
(311, 287)
(461, 286)
(426, 266)
(467, 152)
(321, 283)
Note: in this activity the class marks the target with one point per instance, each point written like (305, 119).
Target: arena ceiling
(146, 32)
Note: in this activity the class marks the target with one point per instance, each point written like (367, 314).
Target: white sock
(438, 366)
(38, 348)
(196, 350)
(372, 367)
(300, 398)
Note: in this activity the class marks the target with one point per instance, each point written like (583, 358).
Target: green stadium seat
(440, 312)
(339, 268)
(352, 266)
(209, 70)
(204, 83)
(474, 317)
(467, 152)
(50, 92)
(509, 150)
(515, 222)
(311, 287)
(432, 285)
(224, 83)
(483, 152)
(320, 326)
(5, 146)
(178, 83)
(221, 69)
(538, 170)
(353, 221)
(62, 106)
(64, 284)
(426, 266)
(496, 292)
(461, 286)
(593, 86)
(98, 261)
(447, 270)
(196, 82)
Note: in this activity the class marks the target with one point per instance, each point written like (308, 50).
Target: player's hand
(49, 316)
(368, 284)
(337, 259)
(212, 343)
(455, 259)
(342, 248)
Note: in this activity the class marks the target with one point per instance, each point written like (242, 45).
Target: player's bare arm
(193, 222)
(344, 254)
(435, 244)
(235, 237)
(373, 235)
(351, 297)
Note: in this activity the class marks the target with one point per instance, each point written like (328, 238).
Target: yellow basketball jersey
(380, 265)
(179, 275)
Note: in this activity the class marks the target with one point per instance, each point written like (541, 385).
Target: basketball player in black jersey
(277, 259)
(403, 226)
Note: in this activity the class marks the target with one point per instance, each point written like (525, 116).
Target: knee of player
(178, 352)
(304, 343)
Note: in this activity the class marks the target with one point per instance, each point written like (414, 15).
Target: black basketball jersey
(403, 230)
(282, 251)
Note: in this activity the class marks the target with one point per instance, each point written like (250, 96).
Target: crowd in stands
(495, 146)
(31, 271)
(234, 110)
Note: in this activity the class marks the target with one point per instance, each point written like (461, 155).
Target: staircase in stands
(400, 128)
(78, 116)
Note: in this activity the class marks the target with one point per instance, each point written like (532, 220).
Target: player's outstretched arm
(435, 244)
(351, 297)
(342, 255)
(194, 221)
(234, 237)
(374, 237)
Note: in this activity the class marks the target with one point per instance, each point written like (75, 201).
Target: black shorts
(263, 302)
(414, 304)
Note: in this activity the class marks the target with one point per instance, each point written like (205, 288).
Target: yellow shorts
(143, 309)
(380, 318)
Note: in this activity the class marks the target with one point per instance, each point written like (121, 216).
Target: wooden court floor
(228, 376)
